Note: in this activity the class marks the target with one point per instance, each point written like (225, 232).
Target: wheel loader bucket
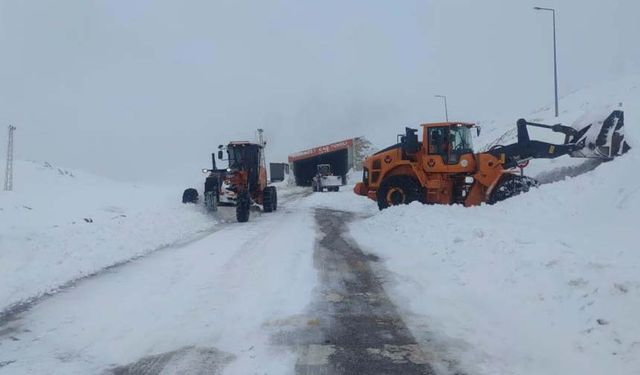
(599, 138)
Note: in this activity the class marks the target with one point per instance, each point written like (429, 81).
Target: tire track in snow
(356, 329)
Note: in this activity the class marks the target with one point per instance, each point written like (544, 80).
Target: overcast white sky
(145, 90)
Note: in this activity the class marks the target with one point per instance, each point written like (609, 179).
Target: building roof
(319, 150)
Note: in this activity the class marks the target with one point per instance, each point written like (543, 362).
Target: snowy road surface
(204, 306)
(287, 292)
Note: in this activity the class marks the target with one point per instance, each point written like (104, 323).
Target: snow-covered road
(203, 306)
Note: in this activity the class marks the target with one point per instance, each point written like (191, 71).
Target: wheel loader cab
(449, 147)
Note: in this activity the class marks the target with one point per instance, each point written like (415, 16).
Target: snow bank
(60, 225)
(545, 283)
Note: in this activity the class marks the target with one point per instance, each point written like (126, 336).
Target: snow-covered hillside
(544, 283)
(60, 225)
(596, 101)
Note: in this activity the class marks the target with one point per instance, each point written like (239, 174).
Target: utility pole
(446, 111)
(8, 177)
(555, 60)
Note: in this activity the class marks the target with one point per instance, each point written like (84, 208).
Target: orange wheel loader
(443, 168)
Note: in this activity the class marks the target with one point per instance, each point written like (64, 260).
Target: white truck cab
(325, 179)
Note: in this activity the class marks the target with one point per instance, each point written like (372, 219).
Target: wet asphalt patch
(353, 327)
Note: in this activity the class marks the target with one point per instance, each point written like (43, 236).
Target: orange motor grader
(443, 168)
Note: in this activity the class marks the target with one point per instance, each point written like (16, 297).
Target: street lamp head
(440, 96)
(541, 8)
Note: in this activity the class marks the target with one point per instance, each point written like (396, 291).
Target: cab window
(438, 142)
(459, 143)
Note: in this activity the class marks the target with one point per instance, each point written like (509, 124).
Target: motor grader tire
(190, 195)
(275, 199)
(243, 208)
(211, 200)
(397, 190)
(268, 199)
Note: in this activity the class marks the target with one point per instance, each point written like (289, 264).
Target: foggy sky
(145, 90)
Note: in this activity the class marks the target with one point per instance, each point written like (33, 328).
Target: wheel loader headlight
(468, 180)
(204, 170)
(228, 169)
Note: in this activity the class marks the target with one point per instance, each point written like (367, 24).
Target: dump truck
(444, 169)
(325, 179)
(241, 184)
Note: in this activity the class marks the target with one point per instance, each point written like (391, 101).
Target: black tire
(397, 190)
(275, 199)
(511, 185)
(268, 196)
(337, 188)
(190, 195)
(243, 208)
(211, 200)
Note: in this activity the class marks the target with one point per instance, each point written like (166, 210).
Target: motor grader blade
(601, 139)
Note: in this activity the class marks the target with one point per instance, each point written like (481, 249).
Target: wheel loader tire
(243, 208)
(397, 190)
(190, 195)
(268, 197)
(511, 185)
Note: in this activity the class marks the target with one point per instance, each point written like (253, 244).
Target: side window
(438, 142)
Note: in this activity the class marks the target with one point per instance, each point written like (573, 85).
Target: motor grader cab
(241, 184)
(443, 167)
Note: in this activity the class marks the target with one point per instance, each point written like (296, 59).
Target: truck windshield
(460, 141)
(324, 169)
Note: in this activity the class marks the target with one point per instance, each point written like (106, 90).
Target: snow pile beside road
(544, 283)
(60, 225)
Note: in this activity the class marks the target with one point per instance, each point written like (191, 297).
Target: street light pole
(555, 59)
(446, 112)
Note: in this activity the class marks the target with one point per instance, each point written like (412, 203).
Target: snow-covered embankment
(545, 283)
(59, 225)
